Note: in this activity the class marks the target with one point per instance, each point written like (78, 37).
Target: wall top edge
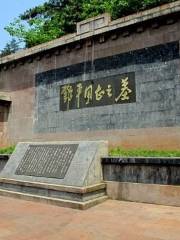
(96, 26)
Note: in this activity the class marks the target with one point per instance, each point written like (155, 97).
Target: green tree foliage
(58, 17)
(11, 47)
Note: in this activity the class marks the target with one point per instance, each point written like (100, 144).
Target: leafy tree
(58, 17)
(11, 47)
(46, 22)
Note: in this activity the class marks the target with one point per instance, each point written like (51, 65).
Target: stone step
(43, 185)
(55, 191)
(76, 197)
(54, 201)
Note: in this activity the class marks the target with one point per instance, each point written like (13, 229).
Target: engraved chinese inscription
(50, 161)
(117, 89)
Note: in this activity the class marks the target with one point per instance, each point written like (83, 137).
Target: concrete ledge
(70, 189)
(144, 193)
(162, 161)
(69, 193)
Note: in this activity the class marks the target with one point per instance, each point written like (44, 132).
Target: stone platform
(67, 174)
(64, 196)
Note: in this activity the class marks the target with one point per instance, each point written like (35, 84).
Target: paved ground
(21, 220)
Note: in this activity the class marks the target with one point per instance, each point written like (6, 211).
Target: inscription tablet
(50, 161)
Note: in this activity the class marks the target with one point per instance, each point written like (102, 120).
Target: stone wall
(149, 48)
(164, 171)
(157, 98)
(147, 180)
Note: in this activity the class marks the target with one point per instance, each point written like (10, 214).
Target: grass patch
(144, 153)
(7, 150)
(122, 152)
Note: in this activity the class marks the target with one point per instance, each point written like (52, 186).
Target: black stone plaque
(116, 89)
(50, 161)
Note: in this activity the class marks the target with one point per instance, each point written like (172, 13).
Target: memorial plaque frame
(36, 162)
(116, 89)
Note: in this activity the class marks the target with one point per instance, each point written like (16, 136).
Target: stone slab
(83, 170)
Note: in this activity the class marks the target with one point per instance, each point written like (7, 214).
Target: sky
(10, 9)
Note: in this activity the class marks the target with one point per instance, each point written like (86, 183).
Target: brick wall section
(153, 121)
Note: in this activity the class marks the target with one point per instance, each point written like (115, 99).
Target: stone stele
(75, 164)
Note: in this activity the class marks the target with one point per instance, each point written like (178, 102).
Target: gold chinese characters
(88, 93)
(125, 90)
(67, 93)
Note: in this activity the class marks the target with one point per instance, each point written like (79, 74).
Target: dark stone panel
(104, 91)
(160, 53)
(51, 161)
(164, 171)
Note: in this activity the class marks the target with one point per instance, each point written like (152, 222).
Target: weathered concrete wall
(149, 180)
(144, 193)
(164, 171)
(149, 49)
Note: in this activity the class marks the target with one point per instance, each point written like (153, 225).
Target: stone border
(141, 160)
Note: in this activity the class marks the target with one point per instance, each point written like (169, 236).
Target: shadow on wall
(3, 160)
